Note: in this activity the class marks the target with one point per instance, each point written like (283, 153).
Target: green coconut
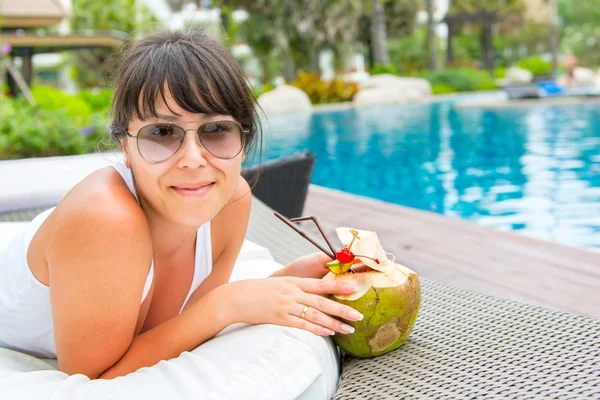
(388, 295)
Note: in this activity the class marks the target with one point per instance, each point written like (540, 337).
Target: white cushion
(241, 362)
(9, 229)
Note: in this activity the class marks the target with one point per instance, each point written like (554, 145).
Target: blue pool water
(533, 169)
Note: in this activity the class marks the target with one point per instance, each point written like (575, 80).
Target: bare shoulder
(102, 193)
(98, 255)
(101, 210)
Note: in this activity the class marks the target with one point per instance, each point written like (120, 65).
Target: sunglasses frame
(245, 132)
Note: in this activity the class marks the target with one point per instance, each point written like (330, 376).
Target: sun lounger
(464, 345)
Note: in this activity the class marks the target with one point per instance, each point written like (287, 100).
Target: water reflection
(535, 169)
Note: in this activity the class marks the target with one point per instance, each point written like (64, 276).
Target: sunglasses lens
(223, 139)
(160, 141)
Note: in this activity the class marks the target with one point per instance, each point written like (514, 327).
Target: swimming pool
(534, 169)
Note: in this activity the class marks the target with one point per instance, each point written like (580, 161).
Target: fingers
(319, 323)
(297, 322)
(320, 286)
(331, 307)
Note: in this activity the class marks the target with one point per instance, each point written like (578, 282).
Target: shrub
(257, 91)
(487, 85)
(536, 65)
(383, 69)
(52, 99)
(499, 72)
(462, 79)
(322, 92)
(97, 100)
(33, 131)
(407, 53)
(442, 88)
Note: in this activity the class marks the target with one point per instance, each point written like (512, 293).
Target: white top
(25, 311)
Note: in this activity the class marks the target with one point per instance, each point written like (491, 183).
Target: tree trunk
(431, 37)
(554, 35)
(378, 34)
(314, 61)
(487, 45)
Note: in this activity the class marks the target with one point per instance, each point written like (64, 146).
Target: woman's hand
(308, 266)
(294, 302)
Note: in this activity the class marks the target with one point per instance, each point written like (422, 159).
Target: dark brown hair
(200, 73)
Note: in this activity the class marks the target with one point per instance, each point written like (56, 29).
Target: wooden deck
(465, 255)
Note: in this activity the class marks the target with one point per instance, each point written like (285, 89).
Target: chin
(198, 215)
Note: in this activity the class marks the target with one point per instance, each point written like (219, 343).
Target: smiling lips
(198, 189)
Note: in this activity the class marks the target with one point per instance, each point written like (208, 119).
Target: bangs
(198, 78)
(187, 81)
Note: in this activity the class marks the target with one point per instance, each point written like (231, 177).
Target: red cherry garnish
(345, 256)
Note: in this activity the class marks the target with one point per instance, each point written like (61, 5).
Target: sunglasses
(158, 142)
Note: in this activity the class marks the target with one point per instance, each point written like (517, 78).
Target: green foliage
(408, 53)
(383, 69)
(36, 131)
(499, 72)
(580, 33)
(52, 99)
(536, 65)
(92, 67)
(257, 91)
(290, 31)
(322, 92)
(442, 88)
(401, 16)
(461, 79)
(530, 39)
(467, 47)
(488, 84)
(97, 100)
(576, 12)
(472, 6)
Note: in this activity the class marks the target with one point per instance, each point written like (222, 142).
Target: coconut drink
(388, 294)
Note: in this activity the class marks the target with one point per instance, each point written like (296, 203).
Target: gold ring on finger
(304, 312)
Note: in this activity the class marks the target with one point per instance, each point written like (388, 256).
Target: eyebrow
(175, 118)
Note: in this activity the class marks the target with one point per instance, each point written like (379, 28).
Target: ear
(125, 153)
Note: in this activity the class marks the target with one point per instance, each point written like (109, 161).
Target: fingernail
(348, 286)
(347, 328)
(355, 315)
(327, 332)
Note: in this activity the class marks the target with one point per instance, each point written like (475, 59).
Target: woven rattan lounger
(464, 345)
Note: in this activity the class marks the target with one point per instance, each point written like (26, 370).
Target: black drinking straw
(314, 219)
(305, 236)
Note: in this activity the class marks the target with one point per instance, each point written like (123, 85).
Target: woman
(132, 267)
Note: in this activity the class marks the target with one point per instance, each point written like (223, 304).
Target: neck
(168, 238)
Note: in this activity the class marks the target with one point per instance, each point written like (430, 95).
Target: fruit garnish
(338, 267)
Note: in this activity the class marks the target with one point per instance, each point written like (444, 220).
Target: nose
(192, 152)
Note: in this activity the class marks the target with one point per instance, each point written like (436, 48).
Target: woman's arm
(98, 255)
(184, 332)
(98, 260)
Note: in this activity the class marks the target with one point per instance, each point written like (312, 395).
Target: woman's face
(190, 187)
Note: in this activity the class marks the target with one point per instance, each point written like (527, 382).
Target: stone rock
(285, 99)
(391, 89)
(584, 76)
(515, 75)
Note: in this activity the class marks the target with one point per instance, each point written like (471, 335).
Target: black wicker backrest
(283, 183)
